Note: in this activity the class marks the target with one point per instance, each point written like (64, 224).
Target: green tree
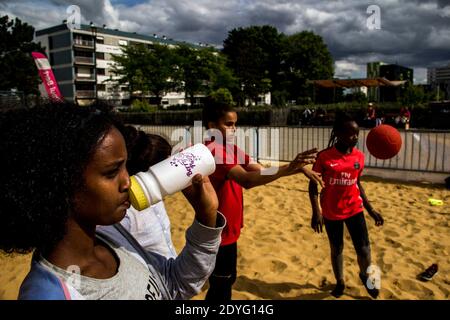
(222, 76)
(18, 70)
(358, 97)
(147, 70)
(128, 68)
(412, 95)
(194, 70)
(254, 55)
(202, 70)
(222, 95)
(305, 56)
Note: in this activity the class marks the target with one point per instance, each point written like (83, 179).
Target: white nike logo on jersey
(333, 164)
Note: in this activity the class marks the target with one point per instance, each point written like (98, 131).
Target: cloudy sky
(412, 33)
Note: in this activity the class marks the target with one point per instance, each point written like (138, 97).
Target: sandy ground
(280, 257)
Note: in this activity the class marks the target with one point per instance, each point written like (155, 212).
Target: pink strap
(65, 289)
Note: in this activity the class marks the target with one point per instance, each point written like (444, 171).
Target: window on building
(101, 72)
(100, 55)
(81, 86)
(79, 53)
(83, 40)
(101, 87)
(100, 40)
(83, 71)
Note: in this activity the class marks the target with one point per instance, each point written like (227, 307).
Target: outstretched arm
(253, 177)
(254, 167)
(374, 214)
(310, 174)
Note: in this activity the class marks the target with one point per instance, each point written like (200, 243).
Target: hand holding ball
(384, 142)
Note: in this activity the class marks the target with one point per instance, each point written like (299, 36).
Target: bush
(357, 97)
(162, 117)
(181, 107)
(279, 98)
(223, 96)
(142, 106)
(304, 101)
(252, 117)
(421, 115)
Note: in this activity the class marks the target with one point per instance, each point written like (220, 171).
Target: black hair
(339, 126)
(213, 110)
(43, 154)
(144, 149)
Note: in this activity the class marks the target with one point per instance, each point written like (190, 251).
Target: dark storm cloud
(281, 17)
(412, 35)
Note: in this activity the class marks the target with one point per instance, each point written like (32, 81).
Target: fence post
(257, 144)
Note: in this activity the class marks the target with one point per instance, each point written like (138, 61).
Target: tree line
(254, 60)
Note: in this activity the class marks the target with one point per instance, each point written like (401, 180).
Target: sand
(280, 257)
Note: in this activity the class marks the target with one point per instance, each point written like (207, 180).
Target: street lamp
(94, 35)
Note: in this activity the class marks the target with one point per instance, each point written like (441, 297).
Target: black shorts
(357, 228)
(226, 261)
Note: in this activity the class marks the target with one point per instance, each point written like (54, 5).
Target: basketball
(384, 142)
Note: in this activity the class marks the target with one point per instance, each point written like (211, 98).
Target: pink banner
(47, 76)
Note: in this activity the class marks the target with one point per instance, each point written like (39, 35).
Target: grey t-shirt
(132, 281)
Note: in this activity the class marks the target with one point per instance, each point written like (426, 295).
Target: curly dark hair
(144, 149)
(43, 154)
(214, 110)
(339, 126)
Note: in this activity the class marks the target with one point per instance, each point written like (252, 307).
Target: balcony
(84, 60)
(83, 43)
(85, 77)
(85, 94)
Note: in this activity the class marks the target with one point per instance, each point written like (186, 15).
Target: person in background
(307, 115)
(371, 115)
(405, 117)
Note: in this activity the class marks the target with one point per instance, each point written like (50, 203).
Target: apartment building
(439, 80)
(373, 71)
(392, 72)
(82, 59)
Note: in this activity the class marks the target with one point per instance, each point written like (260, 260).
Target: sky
(411, 33)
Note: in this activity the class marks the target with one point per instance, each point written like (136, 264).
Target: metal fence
(422, 150)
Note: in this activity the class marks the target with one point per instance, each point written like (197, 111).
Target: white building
(82, 59)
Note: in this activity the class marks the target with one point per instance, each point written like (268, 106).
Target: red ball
(384, 142)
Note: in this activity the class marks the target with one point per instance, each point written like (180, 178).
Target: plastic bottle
(170, 176)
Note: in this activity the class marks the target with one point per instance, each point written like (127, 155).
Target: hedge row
(422, 116)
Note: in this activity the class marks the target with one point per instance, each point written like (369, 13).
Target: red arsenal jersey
(340, 198)
(229, 192)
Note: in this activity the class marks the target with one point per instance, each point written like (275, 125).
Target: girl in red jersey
(235, 171)
(342, 200)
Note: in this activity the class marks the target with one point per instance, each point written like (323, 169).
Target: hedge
(422, 116)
